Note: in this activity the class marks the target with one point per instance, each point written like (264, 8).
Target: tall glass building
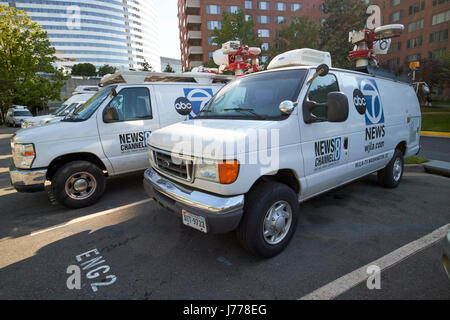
(120, 33)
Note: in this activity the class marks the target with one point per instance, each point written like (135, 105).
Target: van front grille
(174, 166)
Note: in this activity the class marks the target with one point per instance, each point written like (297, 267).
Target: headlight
(23, 155)
(224, 172)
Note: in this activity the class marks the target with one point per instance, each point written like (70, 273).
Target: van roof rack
(143, 76)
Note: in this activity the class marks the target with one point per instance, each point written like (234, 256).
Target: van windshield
(25, 113)
(255, 97)
(87, 110)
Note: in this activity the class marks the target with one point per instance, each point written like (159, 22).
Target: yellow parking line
(436, 134)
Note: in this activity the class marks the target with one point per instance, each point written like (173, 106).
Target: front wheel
(78, 184)
(391, 176)
(270, 219)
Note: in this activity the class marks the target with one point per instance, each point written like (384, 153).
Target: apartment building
(426, 32)
(198, 18)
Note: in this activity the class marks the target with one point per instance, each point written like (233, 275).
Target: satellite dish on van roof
(388, 31)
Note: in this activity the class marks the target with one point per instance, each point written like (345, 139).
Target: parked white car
(16, 115)
(60, 113)
(326, 129)
(105, 137)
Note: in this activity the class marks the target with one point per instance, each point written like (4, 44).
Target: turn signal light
(228, 171)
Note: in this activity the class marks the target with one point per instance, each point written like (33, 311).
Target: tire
(391, 176)
(91, 184)
(258, 203)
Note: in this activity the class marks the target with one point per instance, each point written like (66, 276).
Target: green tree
(169, 69)
(106, 69)
(343, 16)
(234, 27)
(26, 62)
(301, 33)
(147, 67)
(84, 70)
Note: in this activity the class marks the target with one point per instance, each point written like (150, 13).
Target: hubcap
(277, 222)
(397, 169)
(81, 185)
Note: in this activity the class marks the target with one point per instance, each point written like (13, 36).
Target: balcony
(193, 7)
(193, 20)
(195, 50)
(194, 35)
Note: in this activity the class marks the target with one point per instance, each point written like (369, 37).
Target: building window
(248, 17)
(248, 4)
(439, 36)
(395, 47)
(296, 7)
(280, 6)
(280, 20)
(440, 17)
(394, 17)
(211, 41)
(417, 7)
(413, 57)
(393, 63)
(414, 42)
(439, 2)
(263, 5)
(416, 25)
(213, 24)
(212, 9)
(263, 33)
(233, 9)
(263, 19)
(436, 53)
(395, 2)
(265, 46)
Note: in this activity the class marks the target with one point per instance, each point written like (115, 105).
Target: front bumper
(222, 214)
(28, 180)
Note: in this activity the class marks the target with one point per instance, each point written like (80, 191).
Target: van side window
(133, 104)
(318, 93)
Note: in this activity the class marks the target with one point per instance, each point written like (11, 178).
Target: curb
(435, 134)
(415, 168)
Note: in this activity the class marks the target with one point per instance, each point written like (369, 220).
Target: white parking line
(345, 283)
(92, 216)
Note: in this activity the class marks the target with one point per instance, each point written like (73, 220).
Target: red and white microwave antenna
(239, 59)
(374, 39)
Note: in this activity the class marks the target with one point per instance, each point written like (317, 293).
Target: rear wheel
(391, 176)
(270, 219)
(78, 184)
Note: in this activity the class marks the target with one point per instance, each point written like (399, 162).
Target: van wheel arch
(285, 176)
(64, 159)
(402, 147)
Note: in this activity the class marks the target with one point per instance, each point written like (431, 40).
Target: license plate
(194, 221)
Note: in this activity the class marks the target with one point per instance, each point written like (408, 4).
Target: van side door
(124, 140)
(323, 143)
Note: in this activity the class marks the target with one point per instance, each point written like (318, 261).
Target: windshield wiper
(249, 110)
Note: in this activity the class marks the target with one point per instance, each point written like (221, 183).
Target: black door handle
(346, 143)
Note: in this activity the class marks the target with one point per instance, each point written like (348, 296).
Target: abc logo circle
(359, 101)
(183, 106)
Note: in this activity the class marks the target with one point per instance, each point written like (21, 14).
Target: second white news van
(107, 136)
(327, 128)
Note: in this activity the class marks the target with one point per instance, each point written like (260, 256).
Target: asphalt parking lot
(148, 254)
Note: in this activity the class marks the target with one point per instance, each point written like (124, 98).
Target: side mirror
(337, 110)
(286, 107)
(111, 115)
(425, 89)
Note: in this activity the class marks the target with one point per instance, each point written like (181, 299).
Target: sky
(167, 11)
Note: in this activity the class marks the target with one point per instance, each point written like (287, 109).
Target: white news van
(107, 136)
(325, 131)
(60, 113)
